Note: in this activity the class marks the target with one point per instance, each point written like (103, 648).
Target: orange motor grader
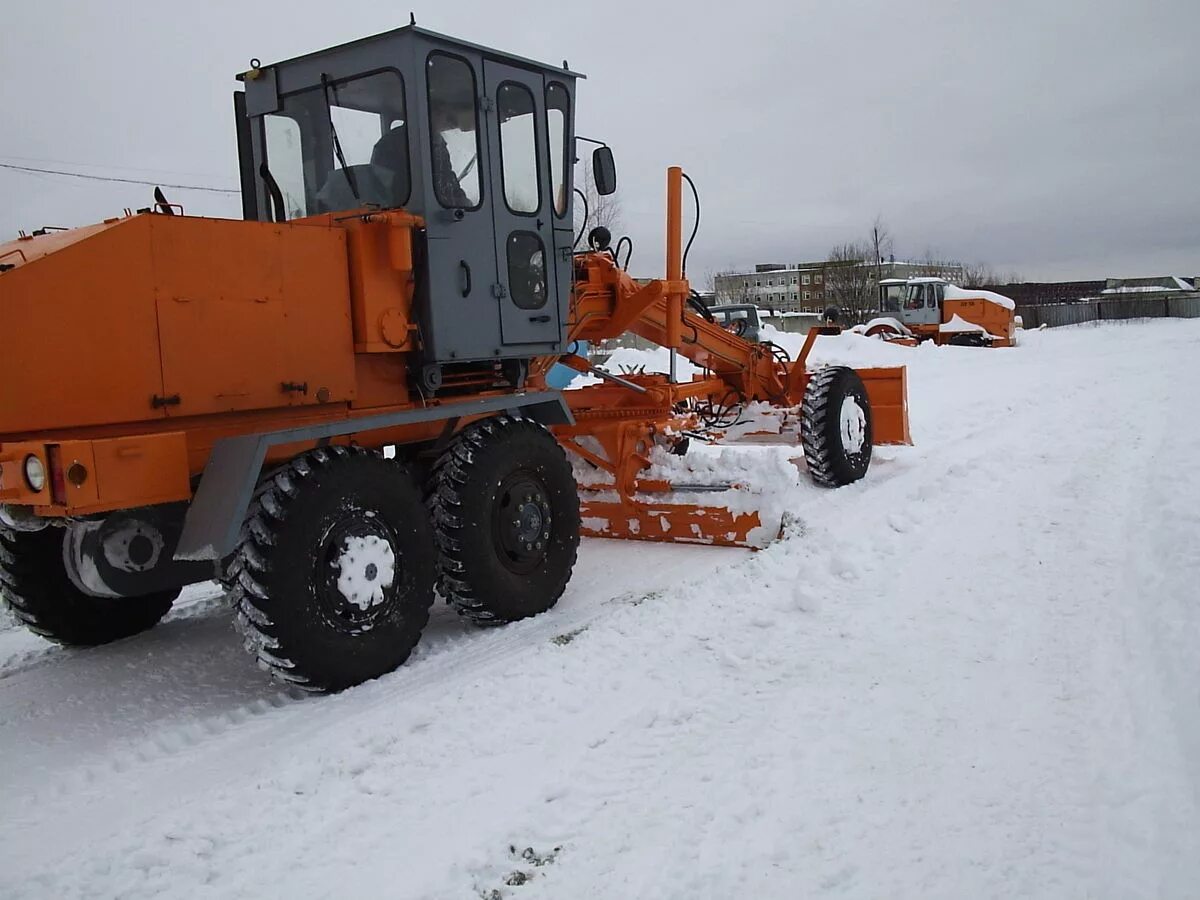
(188, 398)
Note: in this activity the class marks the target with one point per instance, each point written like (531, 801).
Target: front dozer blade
(887, 389)
(680, 523)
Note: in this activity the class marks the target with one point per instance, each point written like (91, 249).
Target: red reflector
(58, 480)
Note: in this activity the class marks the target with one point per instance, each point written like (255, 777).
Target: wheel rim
(522, 523)
(358, 573)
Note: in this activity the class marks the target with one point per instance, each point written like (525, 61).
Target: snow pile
(842, 714)
(959, 325)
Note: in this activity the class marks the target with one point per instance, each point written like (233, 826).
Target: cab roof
(414, 29)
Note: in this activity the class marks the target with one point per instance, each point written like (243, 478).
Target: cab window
(558, 114)
(518, 148)
(453, 132)
(341, 145)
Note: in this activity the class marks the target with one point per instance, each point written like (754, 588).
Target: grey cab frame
(495, 269)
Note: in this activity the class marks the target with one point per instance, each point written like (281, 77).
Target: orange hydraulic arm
(620, 421)
(607, 303)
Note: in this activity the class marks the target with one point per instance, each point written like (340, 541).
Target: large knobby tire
(506, 519)
(836, 427)
(34, 582)
(334, 569)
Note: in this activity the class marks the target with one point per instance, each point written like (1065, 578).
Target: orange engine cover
(99, 322)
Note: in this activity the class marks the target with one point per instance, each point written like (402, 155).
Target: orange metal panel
(222, 355)
(217, 259)
(318, 346)
(380, 379)
(80, 344)
(117, 473)
(141, 470)
(245, 307)
(381, 282)
(992, 317)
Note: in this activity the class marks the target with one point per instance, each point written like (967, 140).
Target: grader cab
(188, 398)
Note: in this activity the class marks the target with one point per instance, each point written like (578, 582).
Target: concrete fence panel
(1132, 308)
(1056, 315)
(1184, 307)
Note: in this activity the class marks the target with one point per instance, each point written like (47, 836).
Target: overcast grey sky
(1059, 139)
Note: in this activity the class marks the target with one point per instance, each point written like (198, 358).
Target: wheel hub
(366, 568)
(358, 573)
(523, 522)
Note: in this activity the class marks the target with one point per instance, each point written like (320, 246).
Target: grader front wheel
(334, 571)
(836, 427)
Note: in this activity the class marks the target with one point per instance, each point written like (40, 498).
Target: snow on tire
(505, 514)
(334, 569)
(836, 426)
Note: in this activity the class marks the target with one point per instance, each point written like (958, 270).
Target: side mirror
(604, 170)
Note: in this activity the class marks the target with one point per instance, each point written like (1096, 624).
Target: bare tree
(850, 279)
(881, 243)
(978, 274)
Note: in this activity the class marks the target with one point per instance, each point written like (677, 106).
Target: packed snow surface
(972, 674)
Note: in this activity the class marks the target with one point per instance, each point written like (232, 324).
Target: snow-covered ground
(973, 674)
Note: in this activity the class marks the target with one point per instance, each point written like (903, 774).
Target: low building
(1045, 293)
(801, 287)
(1041, 293)
(1154, 286)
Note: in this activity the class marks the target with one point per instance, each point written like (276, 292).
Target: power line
(184, 187)
(74, 163)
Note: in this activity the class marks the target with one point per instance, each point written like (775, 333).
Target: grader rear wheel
(334, 569)
(506, 518)
(35, 586)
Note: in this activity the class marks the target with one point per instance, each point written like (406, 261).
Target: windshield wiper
(328, 86)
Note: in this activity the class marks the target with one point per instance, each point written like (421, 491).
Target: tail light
(58, 479)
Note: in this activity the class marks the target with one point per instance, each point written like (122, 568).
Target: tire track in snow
(453, 655)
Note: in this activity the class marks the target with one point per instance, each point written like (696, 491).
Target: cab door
(526, 284)
(921, 305)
